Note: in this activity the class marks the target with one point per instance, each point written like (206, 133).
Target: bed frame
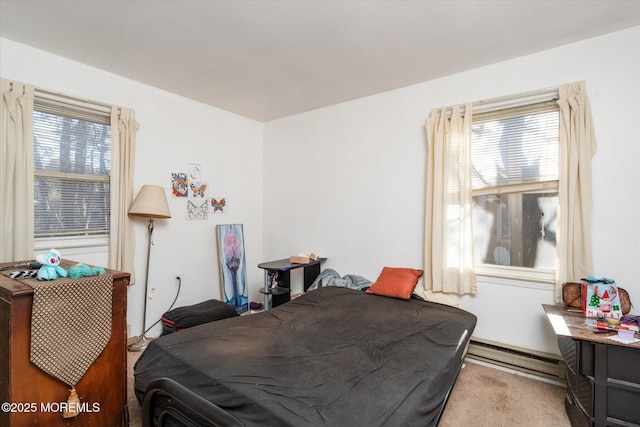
(177, 405)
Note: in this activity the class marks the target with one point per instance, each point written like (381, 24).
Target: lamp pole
(143, 341)
(151, 203)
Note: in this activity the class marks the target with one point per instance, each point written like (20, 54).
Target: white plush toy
(50, 269)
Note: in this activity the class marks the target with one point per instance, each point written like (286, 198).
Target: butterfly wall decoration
(198, 189)
(219, 205)
(197, 210)
(199, 205)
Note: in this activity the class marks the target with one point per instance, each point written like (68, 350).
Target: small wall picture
(198, 189)
(179, 184)
(219, 205)
(194, 172)
(233, 267)
(197, 209)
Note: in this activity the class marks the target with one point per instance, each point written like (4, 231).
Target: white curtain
(448, 225)
(577, 147)
(16, 172)
(123, 148)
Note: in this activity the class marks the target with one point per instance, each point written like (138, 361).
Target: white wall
(347, 181)
(174, 132)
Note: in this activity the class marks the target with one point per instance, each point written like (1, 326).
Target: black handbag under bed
(204, 312)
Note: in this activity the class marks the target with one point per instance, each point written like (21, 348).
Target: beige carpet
(482, 397)
(135, 415)
(487, 397)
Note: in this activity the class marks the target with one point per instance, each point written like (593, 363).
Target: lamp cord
(170, 307)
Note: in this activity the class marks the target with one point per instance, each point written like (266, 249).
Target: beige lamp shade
(151, 202)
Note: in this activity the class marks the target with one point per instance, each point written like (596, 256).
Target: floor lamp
(151, 203)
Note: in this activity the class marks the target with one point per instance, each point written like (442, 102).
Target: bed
(333, 356)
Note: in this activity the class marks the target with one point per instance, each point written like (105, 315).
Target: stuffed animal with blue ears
(50, 269)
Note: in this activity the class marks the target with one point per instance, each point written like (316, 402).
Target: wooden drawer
(623, 364)
(578, 355)
(622, 400)
(623, 404)
(569, 348)
(576, 417)
(580, 390)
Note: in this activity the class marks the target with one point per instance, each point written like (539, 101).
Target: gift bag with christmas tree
(600, 298)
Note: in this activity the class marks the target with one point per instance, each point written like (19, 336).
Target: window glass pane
(65, 144)
(515, 150)
(72, 163)
(515, 229)
(71, 207)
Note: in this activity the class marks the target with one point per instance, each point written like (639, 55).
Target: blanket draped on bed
(330, 277)
(332, 357)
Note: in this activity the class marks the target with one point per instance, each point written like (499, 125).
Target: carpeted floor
(135, 415)
(482, 397)
(488, 397)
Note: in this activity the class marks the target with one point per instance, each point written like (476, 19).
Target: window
(72, 165)
(515, 156)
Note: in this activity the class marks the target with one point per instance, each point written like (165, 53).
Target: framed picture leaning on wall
(232, 266)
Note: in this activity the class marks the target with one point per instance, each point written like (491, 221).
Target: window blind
(72, 164)
(520, 146)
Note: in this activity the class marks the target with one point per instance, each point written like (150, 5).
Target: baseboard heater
(525, 360)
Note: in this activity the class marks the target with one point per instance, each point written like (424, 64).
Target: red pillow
(396, 282)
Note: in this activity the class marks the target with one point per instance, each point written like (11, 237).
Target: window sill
(516, 276)
(73, 245)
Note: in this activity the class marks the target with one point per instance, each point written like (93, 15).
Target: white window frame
(544, 276)
(74, 244)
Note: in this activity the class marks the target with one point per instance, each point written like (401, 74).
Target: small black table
(281, 293)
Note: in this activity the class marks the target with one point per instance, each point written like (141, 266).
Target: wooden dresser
(603, 376)
(35, 395)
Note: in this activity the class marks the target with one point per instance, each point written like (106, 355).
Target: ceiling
(270, 59)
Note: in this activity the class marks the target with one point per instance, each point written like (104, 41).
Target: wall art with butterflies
(219, 205)
(198, 189)
(197, 209)
(189, 185)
